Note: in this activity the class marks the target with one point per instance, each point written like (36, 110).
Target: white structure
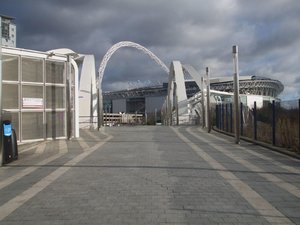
(87, 97)
(88, 93)
(8, 31)
(40, 90)
(177, 98)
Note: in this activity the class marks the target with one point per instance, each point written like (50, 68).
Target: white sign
(33, 103)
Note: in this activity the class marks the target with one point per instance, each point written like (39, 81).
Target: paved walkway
(149, 175)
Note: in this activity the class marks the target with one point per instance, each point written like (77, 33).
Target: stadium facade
(149, 99)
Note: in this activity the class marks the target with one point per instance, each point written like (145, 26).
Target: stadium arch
(105, 60)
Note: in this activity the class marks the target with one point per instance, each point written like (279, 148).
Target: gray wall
(119, 105)
(153, 103)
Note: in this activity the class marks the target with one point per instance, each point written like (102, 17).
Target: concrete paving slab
(148, 175)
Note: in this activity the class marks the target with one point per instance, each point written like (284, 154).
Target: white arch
(105, 60)
(194, 73)
(122, 44)
(177, 98)
(88, 92)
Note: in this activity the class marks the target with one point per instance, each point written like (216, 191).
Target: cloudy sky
(196, 32)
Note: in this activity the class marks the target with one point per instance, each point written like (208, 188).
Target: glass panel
(55, 72)
(32, 125)
(10, 68)
(55, 97)
(55, 126)
(32, 70)
(10, 96)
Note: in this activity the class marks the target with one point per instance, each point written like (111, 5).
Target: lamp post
(236, 94)
(68, 90)
(208, 101)
(202, 102)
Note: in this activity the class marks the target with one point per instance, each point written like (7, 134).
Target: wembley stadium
(253, 85)
(149, 99)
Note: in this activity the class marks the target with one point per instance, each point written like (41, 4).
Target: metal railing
(276, 123)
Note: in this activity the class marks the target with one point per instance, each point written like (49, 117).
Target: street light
(208, 101)
(202, 102)
(236, 94)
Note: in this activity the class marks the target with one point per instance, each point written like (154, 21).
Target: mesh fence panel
(32, 70)
(55, 124)
(11, 96)
(10, 67)
(32, 125)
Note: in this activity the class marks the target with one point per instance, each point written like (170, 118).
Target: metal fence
(34, 90)
(276, 123)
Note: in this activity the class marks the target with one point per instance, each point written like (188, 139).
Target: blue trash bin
(10, 147)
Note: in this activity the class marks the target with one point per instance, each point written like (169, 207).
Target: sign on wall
(33, 103)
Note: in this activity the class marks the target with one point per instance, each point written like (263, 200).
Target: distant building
(147, 99)
(8, 31)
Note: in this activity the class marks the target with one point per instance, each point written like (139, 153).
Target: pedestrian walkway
(149, 175)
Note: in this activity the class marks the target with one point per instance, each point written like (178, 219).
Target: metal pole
(1, 136)
(91, 108)
(202, 102)
(208, 101)
(217, 116)
(98, 109)
(105, 116)
(101, 108)
(221, 117)
(273, 123)
(231, 120)
(68, 96)
(242, 119)
(155, 116)
(236, 94)
(226, 116)
(100, 102)
(175, 102)
(299, 125)
(255, 122)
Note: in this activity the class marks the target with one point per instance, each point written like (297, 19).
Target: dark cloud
(196, 32)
